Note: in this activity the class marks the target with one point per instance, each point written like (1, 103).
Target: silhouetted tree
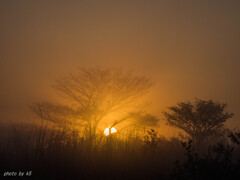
(92, 94)
(200, 119)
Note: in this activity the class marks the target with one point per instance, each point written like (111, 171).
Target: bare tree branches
(94, 93)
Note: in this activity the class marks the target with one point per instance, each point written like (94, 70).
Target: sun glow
(106, 131)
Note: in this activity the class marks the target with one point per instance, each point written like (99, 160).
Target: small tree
(200, 119)
(92, 94)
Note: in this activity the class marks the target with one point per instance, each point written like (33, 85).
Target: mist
(181, 50)
(190, 49)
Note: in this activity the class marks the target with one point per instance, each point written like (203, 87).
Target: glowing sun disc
(106, 131)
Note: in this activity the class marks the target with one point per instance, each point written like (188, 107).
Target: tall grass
(67, 152)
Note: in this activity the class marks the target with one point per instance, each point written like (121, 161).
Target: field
(66, 153)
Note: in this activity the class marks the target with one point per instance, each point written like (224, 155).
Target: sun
(106, 131)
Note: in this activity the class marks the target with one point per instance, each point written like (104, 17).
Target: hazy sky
(189, 48)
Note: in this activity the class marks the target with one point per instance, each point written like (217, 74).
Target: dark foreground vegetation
(206, 149)
(66, 153)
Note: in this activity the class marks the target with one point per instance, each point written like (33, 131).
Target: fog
(190, 49)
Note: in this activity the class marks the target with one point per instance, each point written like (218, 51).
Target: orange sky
(189, 48)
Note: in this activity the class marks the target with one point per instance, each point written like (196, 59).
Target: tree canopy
(200, 119)
(93, 93)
